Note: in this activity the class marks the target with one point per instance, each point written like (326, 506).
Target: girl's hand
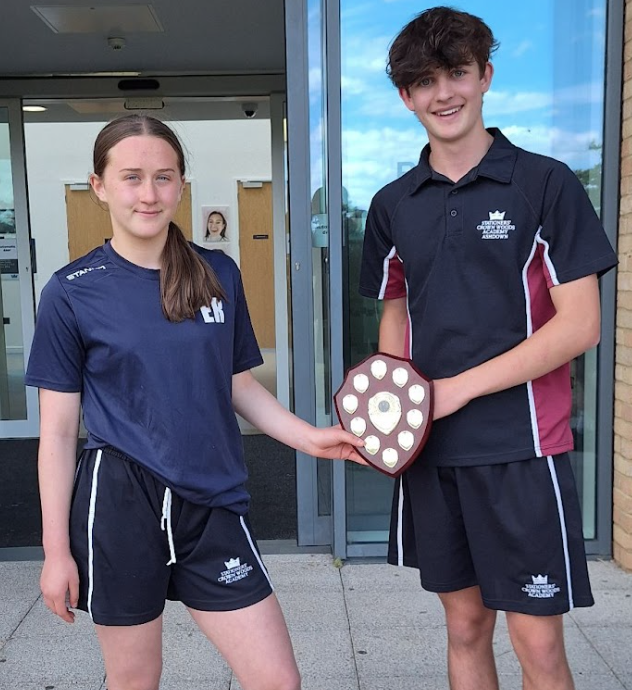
(59, 583)
(334, 443)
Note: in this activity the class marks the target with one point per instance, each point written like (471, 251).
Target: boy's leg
(428, 533)
(470, 625)
(256, 644)
(539, 645)
(132, 655)
(527, 546)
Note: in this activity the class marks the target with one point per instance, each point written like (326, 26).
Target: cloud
(573, 148)
(498, 103)
(522, 48)
(505, 102)
(371, 158)
(352, 86)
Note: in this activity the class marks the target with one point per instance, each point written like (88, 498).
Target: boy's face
(448, 103)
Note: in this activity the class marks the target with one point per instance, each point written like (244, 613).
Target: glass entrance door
(18, 405)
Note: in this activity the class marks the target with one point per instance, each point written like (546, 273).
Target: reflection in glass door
(18, 405)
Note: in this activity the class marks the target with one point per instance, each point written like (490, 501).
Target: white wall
(219, 153)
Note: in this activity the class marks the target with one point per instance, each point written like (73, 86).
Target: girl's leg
(132, 655)
(256, 644)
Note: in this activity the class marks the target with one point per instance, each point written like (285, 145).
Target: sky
(546, 95)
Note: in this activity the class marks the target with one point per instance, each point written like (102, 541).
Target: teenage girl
(150, 337)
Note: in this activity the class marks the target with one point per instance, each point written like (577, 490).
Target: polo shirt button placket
(454, 209)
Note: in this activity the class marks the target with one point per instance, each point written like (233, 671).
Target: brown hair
(187, 282)
(438, 38)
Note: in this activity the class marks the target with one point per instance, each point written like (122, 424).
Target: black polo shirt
(478, 257)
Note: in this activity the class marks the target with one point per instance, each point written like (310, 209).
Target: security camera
(116, 43)
(249, 110)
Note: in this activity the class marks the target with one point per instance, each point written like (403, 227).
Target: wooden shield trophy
(387, 402)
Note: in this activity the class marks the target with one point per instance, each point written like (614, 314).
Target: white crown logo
(232, 563)
(540, 579)
(497, 215)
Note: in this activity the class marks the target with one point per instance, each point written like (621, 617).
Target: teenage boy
(499, 251)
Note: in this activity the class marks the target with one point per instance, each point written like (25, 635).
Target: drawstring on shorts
(166, 518)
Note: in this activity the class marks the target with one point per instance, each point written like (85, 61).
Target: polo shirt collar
(497, 164)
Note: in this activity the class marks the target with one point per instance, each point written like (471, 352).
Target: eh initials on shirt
(214, 313)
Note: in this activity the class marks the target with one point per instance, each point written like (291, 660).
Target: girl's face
(215, 224)
(141, 185)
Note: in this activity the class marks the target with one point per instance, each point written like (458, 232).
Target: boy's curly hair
(438, 38)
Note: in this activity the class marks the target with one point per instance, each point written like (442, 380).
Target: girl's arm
(257, 405)
(59, 428)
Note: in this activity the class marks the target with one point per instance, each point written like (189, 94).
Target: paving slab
(314, 572)
(412, 610)
(313, 610)
(40, 622)
(327, 654)
(393, 652)
(51, 661)
(359, 575)
(614, 646)
(612, 607)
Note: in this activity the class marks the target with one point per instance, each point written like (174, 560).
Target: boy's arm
(392, 331)
(574, 329)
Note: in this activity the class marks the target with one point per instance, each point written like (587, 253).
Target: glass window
(12, 389)
(547, 97)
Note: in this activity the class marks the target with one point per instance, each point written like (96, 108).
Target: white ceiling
(197, 37)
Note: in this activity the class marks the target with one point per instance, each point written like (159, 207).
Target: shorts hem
(446, 589)
(124, 620)
(541, 610)
(233, 605)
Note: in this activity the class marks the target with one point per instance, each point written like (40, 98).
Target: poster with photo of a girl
(215, 224)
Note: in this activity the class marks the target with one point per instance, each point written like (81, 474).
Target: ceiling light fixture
(33, 108)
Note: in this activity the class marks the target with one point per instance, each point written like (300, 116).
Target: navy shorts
(512, 529)
(136, 544)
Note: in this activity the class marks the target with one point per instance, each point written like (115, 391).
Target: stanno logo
(214, 313)
(540, 588)
(83, 271)
(496, 228)
(234, 572)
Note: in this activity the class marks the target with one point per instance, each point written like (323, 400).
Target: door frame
(29, 427)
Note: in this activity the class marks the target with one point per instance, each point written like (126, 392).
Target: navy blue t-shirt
(158, 391)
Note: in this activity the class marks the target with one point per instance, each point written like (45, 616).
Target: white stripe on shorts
(91, 511)
(560, 511)
(400, 526)
(254, 551)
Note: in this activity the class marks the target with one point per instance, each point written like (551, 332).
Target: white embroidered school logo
(214, 313)
(83, 271)
(540, 587)
(496, 228)
(234, 571)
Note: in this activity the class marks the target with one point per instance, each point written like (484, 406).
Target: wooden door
(256, 258)
(89, 221)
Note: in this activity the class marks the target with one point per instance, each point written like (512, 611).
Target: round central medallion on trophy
(385, 411)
